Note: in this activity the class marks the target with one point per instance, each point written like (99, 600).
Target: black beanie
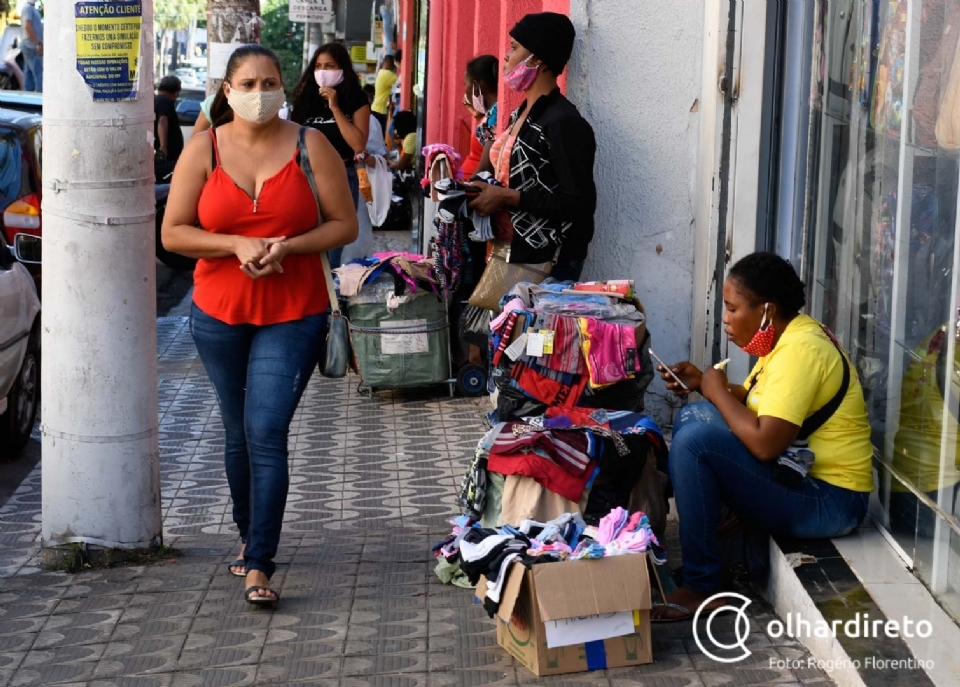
(547, 35)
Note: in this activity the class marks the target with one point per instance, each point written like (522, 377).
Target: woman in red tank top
(240, 203)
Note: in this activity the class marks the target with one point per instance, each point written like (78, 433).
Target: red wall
(459, 31)
(406, 25)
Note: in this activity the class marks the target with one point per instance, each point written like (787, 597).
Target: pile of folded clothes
(490, 553)
(569, 345)
(409, 273)
(566, 450)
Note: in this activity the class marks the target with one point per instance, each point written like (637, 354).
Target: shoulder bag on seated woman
(500, 276)
(339, 349)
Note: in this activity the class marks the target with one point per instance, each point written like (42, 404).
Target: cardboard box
(568, 597)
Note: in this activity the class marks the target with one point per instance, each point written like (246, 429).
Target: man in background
(32, 46)
(386, 78)
(167, 136)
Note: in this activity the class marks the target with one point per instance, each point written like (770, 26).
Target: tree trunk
(230, 21)
(100, 467)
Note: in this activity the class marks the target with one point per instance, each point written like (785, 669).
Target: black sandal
(249, 592)
(239, 563)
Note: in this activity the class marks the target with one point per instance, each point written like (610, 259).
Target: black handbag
(338, 357)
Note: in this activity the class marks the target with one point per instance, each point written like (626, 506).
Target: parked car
(22, 101)
(19, 345)
(188, 105)
(188, 111)
(187, 76)
(20, 186)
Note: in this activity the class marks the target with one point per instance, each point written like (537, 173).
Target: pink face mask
(328, 78)
(762, 342)
(477, 100)
(521, 77)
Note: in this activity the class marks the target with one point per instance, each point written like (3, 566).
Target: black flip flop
(239, 563)
(248, 594)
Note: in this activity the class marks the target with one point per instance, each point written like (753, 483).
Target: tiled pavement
(372, 481)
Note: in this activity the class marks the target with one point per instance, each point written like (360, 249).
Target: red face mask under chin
(762, 342)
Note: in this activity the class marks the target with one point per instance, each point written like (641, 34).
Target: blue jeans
(710, 465)
(259, 374)
(336, 254)
(32, 70)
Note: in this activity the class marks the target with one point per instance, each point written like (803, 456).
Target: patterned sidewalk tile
(373, 480)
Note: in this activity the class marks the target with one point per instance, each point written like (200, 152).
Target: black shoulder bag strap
(819, 418)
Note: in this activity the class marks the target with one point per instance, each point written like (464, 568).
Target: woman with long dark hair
(329, 98)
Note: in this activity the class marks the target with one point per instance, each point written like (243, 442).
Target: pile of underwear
(564, 450)
(490, 553)
(410, 273)
(559, 343)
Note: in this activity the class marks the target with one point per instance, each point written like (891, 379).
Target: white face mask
(256, 107)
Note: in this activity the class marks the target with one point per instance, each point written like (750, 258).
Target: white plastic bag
(363, 246)
(381, 181)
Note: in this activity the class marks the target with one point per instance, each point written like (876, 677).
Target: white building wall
(636, 77)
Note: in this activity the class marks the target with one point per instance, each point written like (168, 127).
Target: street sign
(311, 11)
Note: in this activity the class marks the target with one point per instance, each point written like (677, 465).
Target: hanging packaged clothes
(452, 225)
(610, 351)
(566, 351)
(548, 386)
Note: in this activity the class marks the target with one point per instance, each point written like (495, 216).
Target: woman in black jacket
(545, 156)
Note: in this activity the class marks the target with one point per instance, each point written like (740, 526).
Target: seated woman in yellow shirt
(726, 450)
(405, 138)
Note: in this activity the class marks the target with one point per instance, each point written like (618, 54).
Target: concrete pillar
(100, 465)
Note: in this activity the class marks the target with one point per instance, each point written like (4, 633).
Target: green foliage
(177, 14)
(283, 37)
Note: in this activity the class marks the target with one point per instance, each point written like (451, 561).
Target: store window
(883, 258)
